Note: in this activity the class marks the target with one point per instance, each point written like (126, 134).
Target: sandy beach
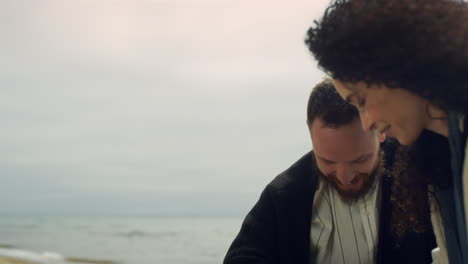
(6, 260)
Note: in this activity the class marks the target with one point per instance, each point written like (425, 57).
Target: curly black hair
(414, 168)
(417, 45)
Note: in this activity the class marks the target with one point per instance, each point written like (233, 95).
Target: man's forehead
(334, 151)
(345, 143)
(340, 135)
(338, 158)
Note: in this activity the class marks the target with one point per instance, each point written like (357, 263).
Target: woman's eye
(361, 102)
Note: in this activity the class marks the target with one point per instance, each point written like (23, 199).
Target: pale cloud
(108, 98)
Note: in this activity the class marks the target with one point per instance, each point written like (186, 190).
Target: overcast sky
(150, 106)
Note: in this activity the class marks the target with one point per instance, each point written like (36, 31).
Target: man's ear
(382, 137)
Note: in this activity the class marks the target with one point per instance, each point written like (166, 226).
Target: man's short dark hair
(326, 104)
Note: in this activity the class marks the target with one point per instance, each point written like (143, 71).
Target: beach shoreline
(8, 260)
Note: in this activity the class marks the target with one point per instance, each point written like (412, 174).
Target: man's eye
(362, 160)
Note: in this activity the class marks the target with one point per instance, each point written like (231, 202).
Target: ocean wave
(90, 261)
(41, 258)
(20, 226)
(47, 257)
(141, 233)
(6, 246)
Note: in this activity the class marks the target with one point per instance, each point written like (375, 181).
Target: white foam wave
(41, 258)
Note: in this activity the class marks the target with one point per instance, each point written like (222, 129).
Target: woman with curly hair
(404, 64)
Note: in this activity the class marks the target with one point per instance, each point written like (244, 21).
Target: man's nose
(345, 175)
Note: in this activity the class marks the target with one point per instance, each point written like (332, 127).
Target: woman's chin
(406, 139)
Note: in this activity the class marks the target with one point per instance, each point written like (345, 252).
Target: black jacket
(277, 229)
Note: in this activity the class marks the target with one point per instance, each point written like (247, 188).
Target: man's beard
(368, 181)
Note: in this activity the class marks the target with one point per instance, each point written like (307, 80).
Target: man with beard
(333, 205)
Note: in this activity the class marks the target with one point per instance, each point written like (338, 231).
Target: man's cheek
(325, 170)
(367, 168)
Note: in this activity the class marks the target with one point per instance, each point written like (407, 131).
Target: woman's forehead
(344, 89)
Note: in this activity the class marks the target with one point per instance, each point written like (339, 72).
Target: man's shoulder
(299, 176)
(276, 229)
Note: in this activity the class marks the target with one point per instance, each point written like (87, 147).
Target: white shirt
(342, 231)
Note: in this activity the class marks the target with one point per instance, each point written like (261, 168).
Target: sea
(123, 239)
